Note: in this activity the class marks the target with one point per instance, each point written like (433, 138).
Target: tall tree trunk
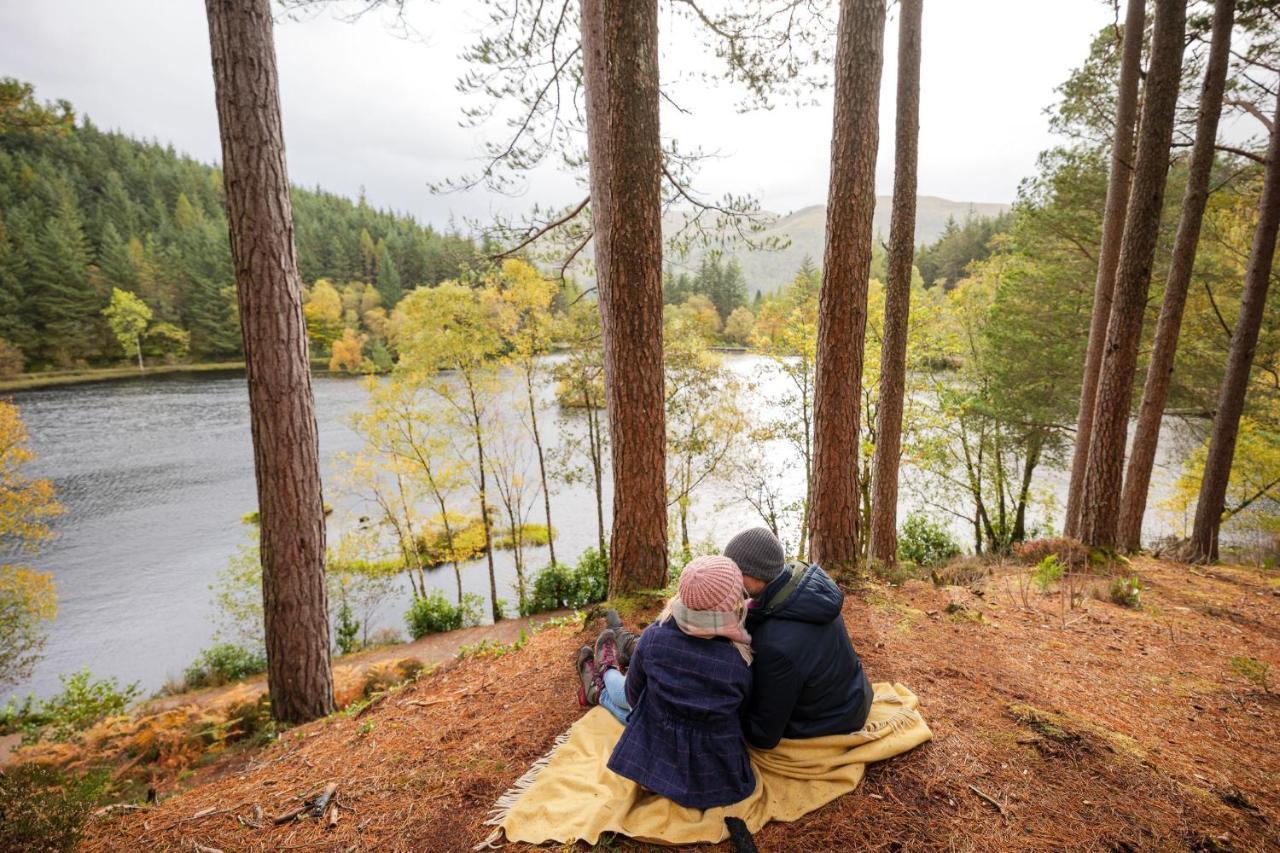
(1133, 500)
(596, 446)
(620, 70)
(846, 269)
(1034, 446)
(281, 407)
(807, 455)
(1101, 499)
(1113, 219)
(1244, 339)
(485, 525)
(542, 461)
(883, 531)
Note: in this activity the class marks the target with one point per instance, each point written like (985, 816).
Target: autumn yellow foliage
(28, 600)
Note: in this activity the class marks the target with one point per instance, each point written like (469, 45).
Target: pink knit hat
(711, 583)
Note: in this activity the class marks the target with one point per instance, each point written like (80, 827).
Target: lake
(156, 473)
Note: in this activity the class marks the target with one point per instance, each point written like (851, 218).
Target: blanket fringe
(901, 719)
(503, 805)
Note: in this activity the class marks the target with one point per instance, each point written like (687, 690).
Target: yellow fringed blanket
(571, 795)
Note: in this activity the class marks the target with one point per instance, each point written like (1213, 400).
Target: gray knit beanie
(757, 552)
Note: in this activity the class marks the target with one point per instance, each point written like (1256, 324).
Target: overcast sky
(363, 107)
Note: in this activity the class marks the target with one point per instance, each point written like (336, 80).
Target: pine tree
(1210, 504)
(883, 535)
(388, 280)
(620, 75)
(1100, 501)
(64, 305)
(1121, 178)
(846, 268)
(368, 254)
(13, 272)
(113, 260)
(1146, 434)
(281, 404)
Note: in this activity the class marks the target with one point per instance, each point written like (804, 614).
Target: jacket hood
(814, 597)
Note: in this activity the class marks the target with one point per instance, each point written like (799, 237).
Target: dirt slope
(1101, 728)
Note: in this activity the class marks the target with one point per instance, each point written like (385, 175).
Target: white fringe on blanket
(502, 806)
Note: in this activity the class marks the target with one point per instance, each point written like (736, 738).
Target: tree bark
(1100, 502)
(883, 529)
(477, 425)
(1133, 499)
(542, 461)
(1244, 339)
(846, 268)
(595, 441)
(281, 407)
(1113, 219)
(620, 68)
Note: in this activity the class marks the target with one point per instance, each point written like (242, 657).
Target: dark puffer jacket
(807, 680)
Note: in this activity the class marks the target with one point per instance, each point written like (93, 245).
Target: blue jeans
(614, 696)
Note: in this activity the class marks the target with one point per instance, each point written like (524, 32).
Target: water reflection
(156, 474)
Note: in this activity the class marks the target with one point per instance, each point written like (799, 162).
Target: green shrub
(925, 542)
(347, 631)
(531, 536)
(221, 664)
(380, 356)
(558, 586)
(592, 575)
(45, 809)
(1070, 552)
(1251, 669)
(1047, 572)
(894, 575)
(1127, 592)
(386, 637)
(434, 613)
(250, 720)
(553, 588)
(81, 703)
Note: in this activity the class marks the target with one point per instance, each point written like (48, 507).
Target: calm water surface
(156, 474)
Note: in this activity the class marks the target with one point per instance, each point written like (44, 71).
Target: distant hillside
(83, 211)
(767, 271)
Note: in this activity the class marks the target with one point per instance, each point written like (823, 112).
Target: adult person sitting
(682, 697)
(807, 680)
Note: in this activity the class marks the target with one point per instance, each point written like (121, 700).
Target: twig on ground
(118, 807)
(374, 702)
(285, 817)
(990, 799)
(200, 848)
(322, 802)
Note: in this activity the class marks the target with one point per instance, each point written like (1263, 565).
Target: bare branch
(541, 231)
(1231, 149)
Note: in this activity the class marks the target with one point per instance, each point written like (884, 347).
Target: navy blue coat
(684, 739)
(807, 679)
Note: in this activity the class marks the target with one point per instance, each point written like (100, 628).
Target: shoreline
(92, 375)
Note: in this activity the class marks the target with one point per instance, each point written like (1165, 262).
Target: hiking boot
(606, 653)
(626, 646)
(588, 678)
(625, 641)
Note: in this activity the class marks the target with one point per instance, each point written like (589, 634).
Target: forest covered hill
(85, 210)
(804, 231)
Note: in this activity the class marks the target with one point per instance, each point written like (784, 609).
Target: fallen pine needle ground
(1093, 726)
